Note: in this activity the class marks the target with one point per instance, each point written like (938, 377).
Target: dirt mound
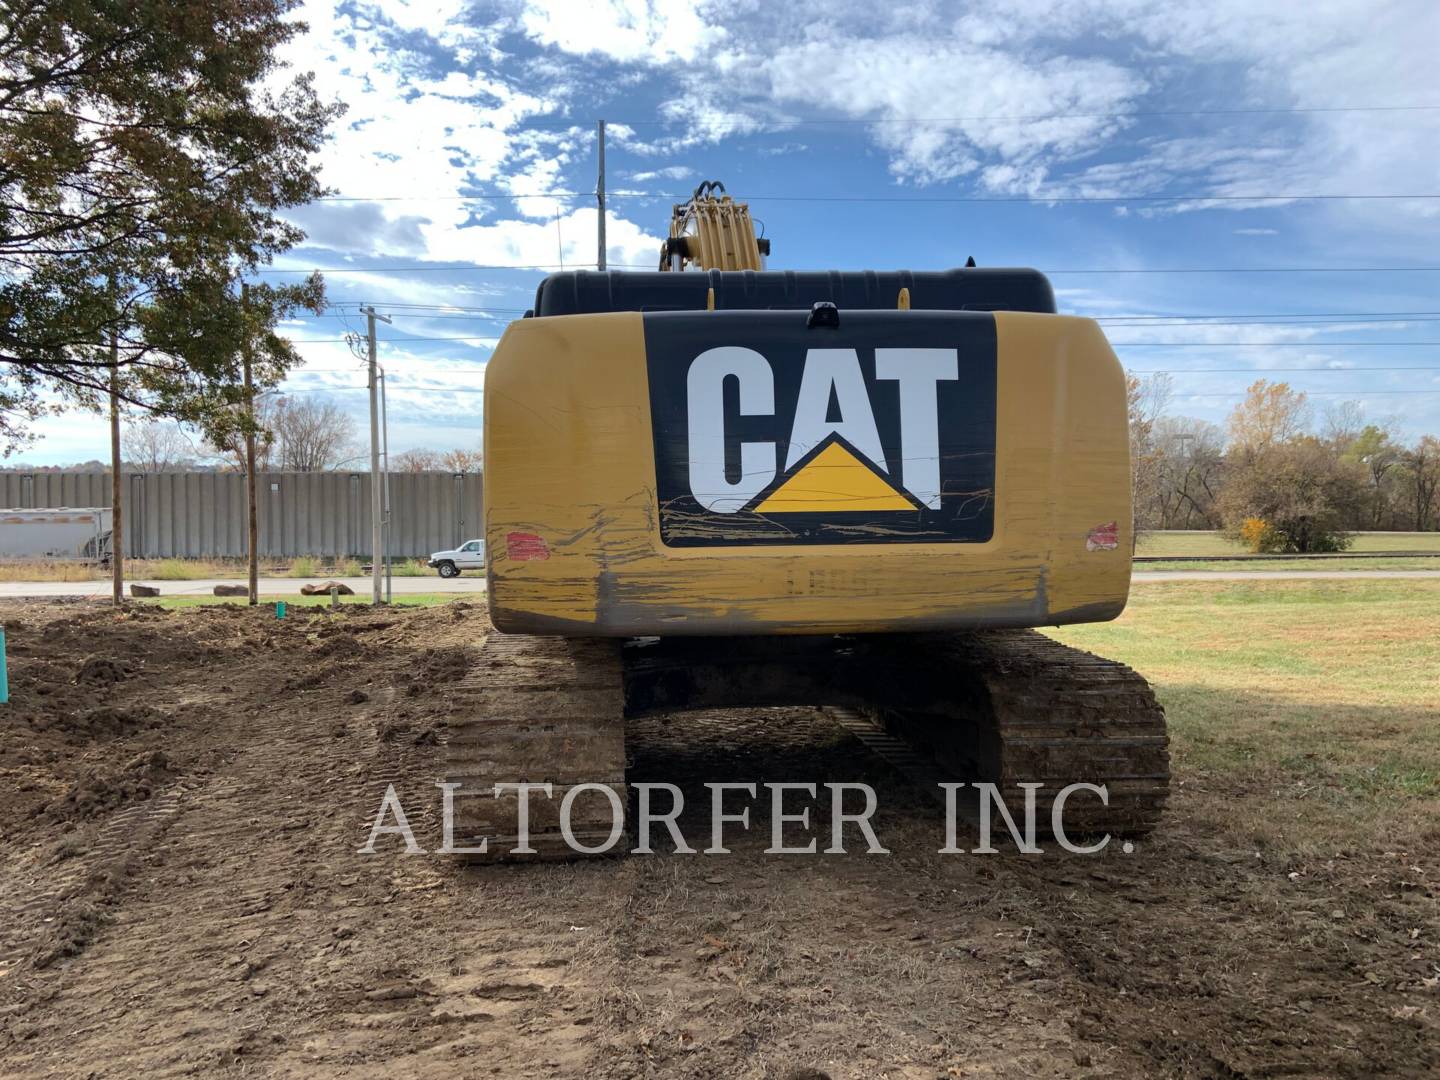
(105, 722)
(103, 789)
(438, 667)
(342, 645)
(103, 669)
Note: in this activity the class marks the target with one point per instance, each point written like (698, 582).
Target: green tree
(1381, 458)
(147, 149)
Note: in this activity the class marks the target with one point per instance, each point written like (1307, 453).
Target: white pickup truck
(468, 556)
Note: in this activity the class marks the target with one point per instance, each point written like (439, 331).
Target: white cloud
(622, 30)
(670, 172)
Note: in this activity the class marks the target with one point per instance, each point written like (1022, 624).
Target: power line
(1032, 198)
(1299, 321)
(477, 372)
(1276, 315)
(426, 269)
(411, 310)
(1040, 198)
(1266, 371)
(1272, 344)
(1254, 270)
(1322, 393)
(1139, 113)
(1181, 319)
(466, 267)
(396, 340)
(1116, 344)
(480, 371)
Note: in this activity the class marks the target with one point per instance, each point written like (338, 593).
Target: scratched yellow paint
(569, 459)
(834, 479)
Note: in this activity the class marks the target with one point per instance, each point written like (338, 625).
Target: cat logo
(782, 439)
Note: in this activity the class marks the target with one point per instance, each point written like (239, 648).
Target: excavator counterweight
(717, 486)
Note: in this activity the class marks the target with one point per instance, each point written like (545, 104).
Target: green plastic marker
(279, 609)
(4, 671)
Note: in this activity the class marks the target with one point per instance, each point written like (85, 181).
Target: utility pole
(600, 196)
(385, 464)
(117, 543)
(252, 526)
(376, 506)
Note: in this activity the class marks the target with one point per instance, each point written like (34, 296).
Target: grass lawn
(1213, 543)
(1312, 707)
(1398, 562)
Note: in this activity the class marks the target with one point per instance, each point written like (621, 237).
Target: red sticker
(1103, 537)
(526, 547)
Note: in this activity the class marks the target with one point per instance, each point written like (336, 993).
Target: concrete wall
(202, 515)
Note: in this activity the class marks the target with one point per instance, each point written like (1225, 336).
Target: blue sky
(1018, 107)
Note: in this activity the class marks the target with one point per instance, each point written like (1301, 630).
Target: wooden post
(117, 544)
(252, 529)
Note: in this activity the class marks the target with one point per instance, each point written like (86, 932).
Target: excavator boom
(713, 232)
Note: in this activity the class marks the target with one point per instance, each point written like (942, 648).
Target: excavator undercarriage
(1005, 706)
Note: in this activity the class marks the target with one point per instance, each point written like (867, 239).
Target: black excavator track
(1010, 707)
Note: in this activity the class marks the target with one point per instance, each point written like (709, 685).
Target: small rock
(356, 697)
(324, 589)
(232, 590)
(144, 590)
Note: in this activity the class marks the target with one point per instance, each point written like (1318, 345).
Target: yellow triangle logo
(834, 479)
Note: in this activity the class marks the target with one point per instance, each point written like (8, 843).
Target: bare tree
(1422, 465)
(311, 434)
(423, 459)
(1146, 401)
(420, 459)
(1191, 465)
(1344, 420)
(153, 445)
(462, 460)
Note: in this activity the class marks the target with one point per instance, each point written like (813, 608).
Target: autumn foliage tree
(1286, 487)
(147, 150)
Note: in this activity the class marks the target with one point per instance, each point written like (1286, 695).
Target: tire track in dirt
(259, 935)
(251, 939)
(52, 897)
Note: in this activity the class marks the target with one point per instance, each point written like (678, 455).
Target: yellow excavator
(720, 486)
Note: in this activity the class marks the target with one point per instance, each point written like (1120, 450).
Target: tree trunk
(117, 485)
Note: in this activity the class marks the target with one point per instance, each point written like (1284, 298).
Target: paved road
(436, 584)
(431, 583)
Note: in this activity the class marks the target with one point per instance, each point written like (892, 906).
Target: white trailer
(60, 533)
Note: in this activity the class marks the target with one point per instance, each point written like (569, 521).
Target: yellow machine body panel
(585, 539)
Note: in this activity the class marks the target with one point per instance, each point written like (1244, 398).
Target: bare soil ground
(185, 791)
